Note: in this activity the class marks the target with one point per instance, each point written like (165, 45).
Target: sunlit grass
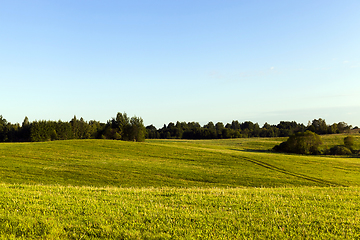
(57, 212)
(171, 163)
(176, 189)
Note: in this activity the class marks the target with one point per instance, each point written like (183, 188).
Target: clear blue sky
(168, 61)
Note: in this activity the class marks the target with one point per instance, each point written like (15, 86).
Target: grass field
(176, 189)
(56, 212)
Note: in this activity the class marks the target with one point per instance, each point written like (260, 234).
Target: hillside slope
(172, 163)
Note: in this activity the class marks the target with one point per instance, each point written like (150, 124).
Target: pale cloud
(216, 74)
(241, 76)
(346, 62)
(324, 68)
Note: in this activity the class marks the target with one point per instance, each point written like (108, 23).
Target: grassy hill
(176, 189)
(172, 163)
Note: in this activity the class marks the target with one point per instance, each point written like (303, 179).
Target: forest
(120, 128)
(125, 128)
(235, 129)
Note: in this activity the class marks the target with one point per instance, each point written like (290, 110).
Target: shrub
(301, 143)
(349, 142)
(340, 150)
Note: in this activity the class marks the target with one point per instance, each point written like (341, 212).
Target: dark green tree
(340, 150)
(320, 126)
(343, 127)
(301, 143)
(349, 142)
(3, 129)
(151, 132)
(219, 129)
(122, 125)
(179, 130)
(24, 135)
(138, 130)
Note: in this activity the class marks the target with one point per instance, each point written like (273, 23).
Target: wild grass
(57, 212)
(171, 163)
(176, 189)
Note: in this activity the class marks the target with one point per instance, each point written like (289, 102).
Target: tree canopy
(121, 128)
(301, 143)
(236, 129)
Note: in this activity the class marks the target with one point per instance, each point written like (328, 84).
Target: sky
(167, 61)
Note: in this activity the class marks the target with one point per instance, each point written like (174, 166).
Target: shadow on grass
(251, 150)
(270, 151)
(346, 156)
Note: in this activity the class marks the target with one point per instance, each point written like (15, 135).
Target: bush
(301, 143)
(349, 142)
(340, 150)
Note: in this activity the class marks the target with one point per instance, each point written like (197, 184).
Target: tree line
(235, 129)
(120, 127)
(123, 127)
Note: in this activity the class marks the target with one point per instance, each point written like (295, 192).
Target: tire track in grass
(284, 171)
(235, 154)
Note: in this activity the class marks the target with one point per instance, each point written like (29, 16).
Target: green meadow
(176, 189)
